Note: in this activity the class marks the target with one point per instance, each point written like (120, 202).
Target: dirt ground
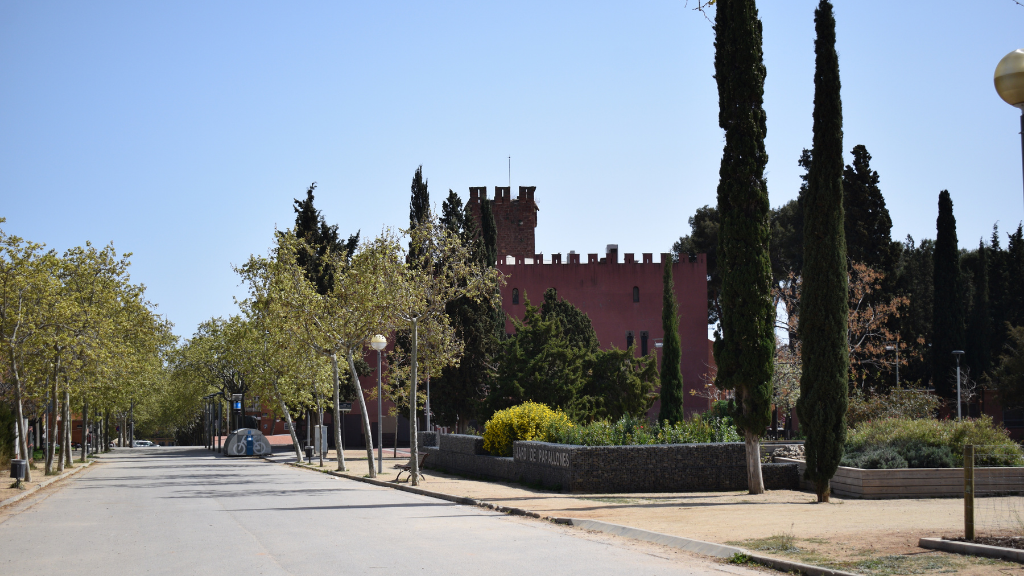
(864, 536)
(37, 477)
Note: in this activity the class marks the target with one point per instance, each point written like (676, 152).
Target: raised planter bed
(610, 469)
(916, 482)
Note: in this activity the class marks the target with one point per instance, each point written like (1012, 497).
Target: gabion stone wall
(462, 444)
(611, 469)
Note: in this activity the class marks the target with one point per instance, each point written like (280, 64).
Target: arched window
(636, 293)
(515, 296)
(629, 338)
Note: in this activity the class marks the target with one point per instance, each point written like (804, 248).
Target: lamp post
(378, 343)
(1009, 80)
(896, 347)
(958, 354)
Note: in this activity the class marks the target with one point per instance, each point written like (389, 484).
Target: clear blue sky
(182, 131)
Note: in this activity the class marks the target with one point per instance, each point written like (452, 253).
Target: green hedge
(631, 431)
(929, 443)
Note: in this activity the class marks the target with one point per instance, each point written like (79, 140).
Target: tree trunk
(54, 411)
(337, 414)
(366, 416)
(414, 448)
(755, 482)
(288, 419)
(65, 451)
(60, 436)
(823, 490)
(22, 433)
(85, 430)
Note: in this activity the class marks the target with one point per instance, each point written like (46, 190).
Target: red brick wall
(604, 291)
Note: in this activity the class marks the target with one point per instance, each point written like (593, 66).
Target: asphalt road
(185, 511)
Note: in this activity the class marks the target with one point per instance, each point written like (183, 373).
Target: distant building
(623, 299)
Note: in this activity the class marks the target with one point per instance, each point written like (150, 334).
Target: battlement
(516, 220)
(592, 258)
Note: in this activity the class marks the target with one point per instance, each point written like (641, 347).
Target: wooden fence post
(969, 492)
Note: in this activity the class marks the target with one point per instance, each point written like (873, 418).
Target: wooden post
(969, 492)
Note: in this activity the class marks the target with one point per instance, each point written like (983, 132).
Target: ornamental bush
(527, 421)
(632, 431)
(928, 443)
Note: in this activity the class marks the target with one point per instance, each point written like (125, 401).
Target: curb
(972, 549)
(420, 491)
(701, 547)
(688, 544)
(42, 485)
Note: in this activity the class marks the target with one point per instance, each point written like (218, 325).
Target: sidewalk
(864, 536)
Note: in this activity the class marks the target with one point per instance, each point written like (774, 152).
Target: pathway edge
(688, 544)
(42, 485)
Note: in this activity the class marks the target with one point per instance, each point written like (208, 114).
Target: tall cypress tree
(419, 201)
(823, 304)
(979, 327)
(459, 391)
(671, 352)
(948, 304)
(489, 231)
(745, 347)
(998, 294)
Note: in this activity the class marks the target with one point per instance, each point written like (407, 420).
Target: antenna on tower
(509, 173)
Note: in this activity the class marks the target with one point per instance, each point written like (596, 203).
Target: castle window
(629, 338)
(636, 293)
(644, 335)
(515, 296)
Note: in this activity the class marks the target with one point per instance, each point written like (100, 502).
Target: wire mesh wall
(998, 491)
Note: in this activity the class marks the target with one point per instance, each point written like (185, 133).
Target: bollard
(969, 492)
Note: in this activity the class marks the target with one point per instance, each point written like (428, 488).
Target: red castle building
(623, 299)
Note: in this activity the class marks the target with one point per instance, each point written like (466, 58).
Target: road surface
(185, 511)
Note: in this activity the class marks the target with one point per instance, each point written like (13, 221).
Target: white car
(142, 444)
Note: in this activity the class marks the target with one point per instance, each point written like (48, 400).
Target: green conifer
(745, 347)
(979, 327)
(671, 352)
(823, 305)
(948, 326)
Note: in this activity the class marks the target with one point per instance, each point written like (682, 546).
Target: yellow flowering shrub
(527, 421)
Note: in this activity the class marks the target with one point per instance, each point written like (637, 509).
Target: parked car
(142, 444)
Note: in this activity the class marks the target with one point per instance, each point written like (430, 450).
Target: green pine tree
(321, 239)
(671, 393)
(823, 304)
(1015, 276)
(703, 239)
(948, 324)
(999, 293)
(745, 346)
(866, 223)
(979, 326)
(575, 324)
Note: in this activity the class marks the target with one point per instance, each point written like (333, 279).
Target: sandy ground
(867, 536)
(38, 476)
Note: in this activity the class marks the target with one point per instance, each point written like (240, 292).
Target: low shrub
(527, 421)
(630, 431)
(929, 443)
(883, 458)
(912, 402)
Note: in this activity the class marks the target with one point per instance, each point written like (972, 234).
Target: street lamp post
(891, 348)
(1009, 80)
(958, 354)
(378, 343)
